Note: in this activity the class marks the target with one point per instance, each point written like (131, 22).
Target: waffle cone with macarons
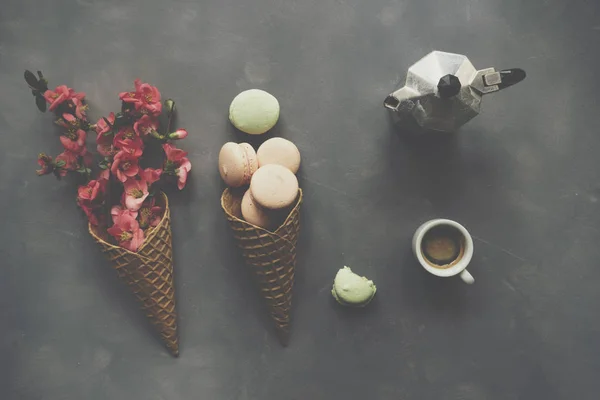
(262, 206)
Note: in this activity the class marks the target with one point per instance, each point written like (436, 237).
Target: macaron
(274, 187)
(253, 213)
(279, 151)
(237, 163)
(254, 111)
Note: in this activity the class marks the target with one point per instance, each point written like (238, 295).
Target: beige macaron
(274, 187)
(237, 163)
(253, 213)
(279, 151)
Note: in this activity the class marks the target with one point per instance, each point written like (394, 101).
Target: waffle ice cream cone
(149, 274)
(272, 257)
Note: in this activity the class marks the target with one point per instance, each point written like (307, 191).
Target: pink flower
(178, 134)
(75, 141)
(104, 139)
(173, 154)
(46, 164)
(128, 234)
(57, 96)
(89, 193)
(151, 175)
(120, 214)
(66, 161)
(90, 197)
(75, 96)
(182, 173)
(125, 132)
(132, 97)
(148, 100)
(106, 150)
(145, 125)
(136, 192)
(124, 166)
(80, 108)
(104, 175)
(150, 214)
(61, 94)
(132, 146)
(68, 121)
(177, 164)
(89, 212)
(102, 128)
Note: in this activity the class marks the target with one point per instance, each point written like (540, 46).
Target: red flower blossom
(182, 173)
(128, 234)
(150, 214)
(145, 125)
(68, 121)
(125, 132)
(66, 161)
(46, 164)
(104, 139)
(132, 97)
(124, 166)
(74, 95)
(136, 192)
(80, 108)
(106, 150)
(151, 175)
(57, 96)
(148, 100)
(90, 213)
(133, 146)
(178, 134)
(89, 193)
(61, 94)
(174, 154)
(103, 128)
(74, 142)
(104, 176)
(120, 215)
(177, 164)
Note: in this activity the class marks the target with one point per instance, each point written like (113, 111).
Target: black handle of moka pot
(509, 77)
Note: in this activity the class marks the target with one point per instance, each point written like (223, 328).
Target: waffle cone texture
(149, 275)
(272, 257)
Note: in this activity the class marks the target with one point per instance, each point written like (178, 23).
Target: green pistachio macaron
(254, 111)
(350, 289)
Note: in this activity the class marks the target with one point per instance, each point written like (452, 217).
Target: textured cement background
(524, 177)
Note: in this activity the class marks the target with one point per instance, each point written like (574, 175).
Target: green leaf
(40, 102)
(60, 163)
(31, 79)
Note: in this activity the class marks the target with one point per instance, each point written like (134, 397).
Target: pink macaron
(237, 163)
(274, 187)
(255, 214)
(279, 151)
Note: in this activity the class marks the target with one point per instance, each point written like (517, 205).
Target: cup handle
(467, 277)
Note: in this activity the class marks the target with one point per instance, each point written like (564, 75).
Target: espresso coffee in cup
(443, 246)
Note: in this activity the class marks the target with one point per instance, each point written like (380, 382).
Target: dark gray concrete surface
(524, 177)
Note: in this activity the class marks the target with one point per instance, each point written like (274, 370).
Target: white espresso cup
(456, 267)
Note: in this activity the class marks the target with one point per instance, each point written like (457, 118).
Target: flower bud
(178, 134)
(46, 164)
(169, 106)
